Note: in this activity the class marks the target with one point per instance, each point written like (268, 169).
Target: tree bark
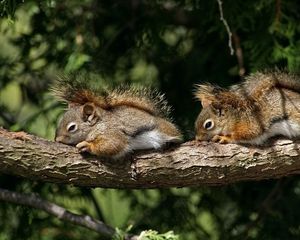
(190, 164)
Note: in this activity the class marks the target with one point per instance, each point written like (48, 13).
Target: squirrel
(265, 105)
(113, 123)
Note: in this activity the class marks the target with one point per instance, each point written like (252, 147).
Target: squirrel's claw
(221, 139)
(83, 146)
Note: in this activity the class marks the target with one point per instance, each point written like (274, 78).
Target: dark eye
(72, 127)
(208, 124)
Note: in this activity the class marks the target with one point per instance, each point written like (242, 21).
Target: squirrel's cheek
(218, 131)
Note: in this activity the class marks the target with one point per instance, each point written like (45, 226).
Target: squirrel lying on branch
(263, 106)
(112, 123)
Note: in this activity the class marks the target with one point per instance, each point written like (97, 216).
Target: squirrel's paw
(84, 146)
(221, 139)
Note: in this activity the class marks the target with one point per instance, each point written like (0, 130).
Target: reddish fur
(85, 96)
(104, 146)
(222, 97)
(243, 131)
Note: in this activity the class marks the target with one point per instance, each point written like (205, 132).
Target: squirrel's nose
(198, 138)
(59, 139)
(201, 137)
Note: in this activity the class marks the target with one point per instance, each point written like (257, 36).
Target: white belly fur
(285, 128)
(149, 140)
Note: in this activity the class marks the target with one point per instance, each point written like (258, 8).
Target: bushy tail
(259, 83)
(287, 80)
(77, 90)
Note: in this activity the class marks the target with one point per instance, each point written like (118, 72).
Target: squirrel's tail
(287, 80)
(77, 90)
(257, 84)
(142, 98)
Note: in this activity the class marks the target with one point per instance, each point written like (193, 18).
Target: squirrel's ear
(205, 102)
(89, 113)
(205, 94)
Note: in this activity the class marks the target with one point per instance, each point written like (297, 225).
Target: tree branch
(190, 164)
(57, 211)
(226, 26)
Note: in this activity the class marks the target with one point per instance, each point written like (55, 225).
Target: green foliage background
(169, 45)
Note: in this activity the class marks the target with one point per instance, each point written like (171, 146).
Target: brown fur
(264, 105)
(113, 123)
(78, 92)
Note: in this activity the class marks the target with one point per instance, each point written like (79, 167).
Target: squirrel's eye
(208, 124)
(72, 127)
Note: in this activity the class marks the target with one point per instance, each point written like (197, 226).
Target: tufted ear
(89, 113)
(205, 94)
(205, 102)
(219, 98)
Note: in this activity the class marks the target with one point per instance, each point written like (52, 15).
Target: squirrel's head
(216, 111)
(210, 122)
(77, 123)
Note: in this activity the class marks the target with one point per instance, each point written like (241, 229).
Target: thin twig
(239, 54)
(226, 26)
(57, 211)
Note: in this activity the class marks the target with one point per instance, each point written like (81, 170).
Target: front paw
(221, 139)
(84, 146)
